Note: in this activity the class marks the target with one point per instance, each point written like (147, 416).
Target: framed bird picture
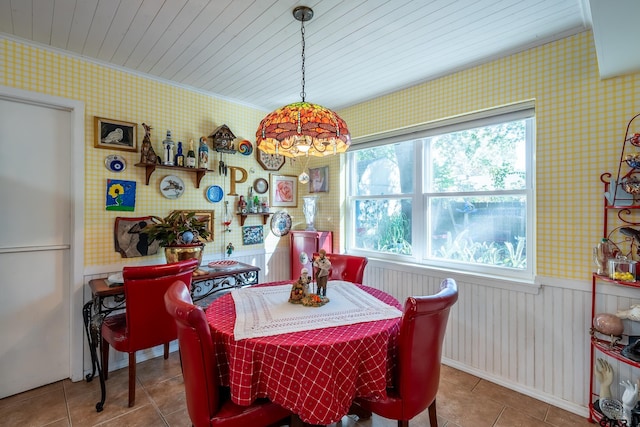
(115, 134)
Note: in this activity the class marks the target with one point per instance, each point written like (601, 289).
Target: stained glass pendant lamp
(303, 128)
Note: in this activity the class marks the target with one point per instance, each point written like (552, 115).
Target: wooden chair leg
(166, 350)
(105, 358)
(357, 410)
(132, 379)
(433, 417)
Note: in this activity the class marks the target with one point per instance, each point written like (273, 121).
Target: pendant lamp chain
(302, 128)
(302, 94)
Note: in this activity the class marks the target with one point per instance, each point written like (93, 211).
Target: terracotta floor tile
(526, 404)
(158, 369)
(560, 418)
(463, 400)
(512, 417)
(459, 378)
(39, 410)
(168, 395)
(465, 408)
(141, 416)
(178, 419)
(21, 397)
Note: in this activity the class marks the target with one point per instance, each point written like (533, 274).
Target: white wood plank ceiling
(250, 51)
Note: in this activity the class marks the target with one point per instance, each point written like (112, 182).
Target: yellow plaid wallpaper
(118, 95)
(580, 124)
(580, 127)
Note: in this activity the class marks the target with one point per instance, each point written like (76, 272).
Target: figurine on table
(322, 265)
(300, 287)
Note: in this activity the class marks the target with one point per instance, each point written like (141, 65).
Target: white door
(36, 201)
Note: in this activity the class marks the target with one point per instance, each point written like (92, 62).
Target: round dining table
(315, 374)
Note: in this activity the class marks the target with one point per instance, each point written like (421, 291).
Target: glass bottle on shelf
(602, 253)
(180, 156)
(190, 161)
(167, 147)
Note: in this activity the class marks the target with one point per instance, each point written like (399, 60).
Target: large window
(456, 194)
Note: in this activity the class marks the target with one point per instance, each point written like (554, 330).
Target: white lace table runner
(264, 311)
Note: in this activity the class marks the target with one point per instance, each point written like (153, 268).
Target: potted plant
(181, 234)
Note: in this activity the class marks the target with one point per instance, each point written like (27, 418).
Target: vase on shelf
(310, 208)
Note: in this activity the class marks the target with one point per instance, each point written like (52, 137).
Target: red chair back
(207, 403)
(420, 348)
(148, 324)
(349, 268)
(199, 369)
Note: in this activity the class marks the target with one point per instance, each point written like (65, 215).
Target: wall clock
(269, 162)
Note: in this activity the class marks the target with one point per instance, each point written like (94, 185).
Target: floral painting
(121, 195)
(284, 190)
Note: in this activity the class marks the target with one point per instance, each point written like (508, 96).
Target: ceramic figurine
(147, 153)
(629, 398)
(300, 288)
(203, 154)
(322, 265)
(604, 375)
(632, 313)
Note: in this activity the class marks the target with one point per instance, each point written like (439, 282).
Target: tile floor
(463, 400)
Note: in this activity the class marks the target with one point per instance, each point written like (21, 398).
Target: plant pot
(183, 252)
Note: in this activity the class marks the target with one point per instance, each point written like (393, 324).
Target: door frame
(76, 270)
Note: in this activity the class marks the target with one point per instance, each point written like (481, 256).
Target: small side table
(107, 299)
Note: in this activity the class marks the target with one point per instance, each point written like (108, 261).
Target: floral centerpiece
(181, 233)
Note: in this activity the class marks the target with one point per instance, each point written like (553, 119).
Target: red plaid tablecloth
(315, 374)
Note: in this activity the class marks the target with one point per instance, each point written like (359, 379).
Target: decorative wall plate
(260, 185)
(171, 187)
(115, 163)
(280, 223)
(223, 264)
(215, 193)
(245, 148)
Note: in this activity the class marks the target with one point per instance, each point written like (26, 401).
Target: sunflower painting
(121, 195)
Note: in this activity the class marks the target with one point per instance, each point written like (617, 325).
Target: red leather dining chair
(349, 268)
(208, 403)
(419, 352)
(145, 322)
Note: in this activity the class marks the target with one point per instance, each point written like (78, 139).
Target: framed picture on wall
(319, 180)
(252, 235)
(284, 190)
(115, 134)
(206, 216)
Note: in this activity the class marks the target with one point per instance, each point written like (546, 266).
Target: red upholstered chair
(208, 403)
(349, 268)
(419, 351)
(145, 322)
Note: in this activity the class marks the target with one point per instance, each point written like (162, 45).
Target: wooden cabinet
(303, 246)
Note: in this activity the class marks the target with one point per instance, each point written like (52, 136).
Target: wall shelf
(150, 168)
(264, 215)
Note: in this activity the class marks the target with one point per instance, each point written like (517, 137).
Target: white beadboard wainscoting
(530, 338)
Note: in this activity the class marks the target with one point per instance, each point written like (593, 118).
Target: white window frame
(420, 198)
